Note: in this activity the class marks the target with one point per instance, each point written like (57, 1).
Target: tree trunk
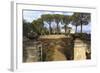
(57, 28)
(50, 29)
(76, 29)
(65, 29)
(81, 23)
(81, 27)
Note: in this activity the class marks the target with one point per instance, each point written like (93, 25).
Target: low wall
(53, 36)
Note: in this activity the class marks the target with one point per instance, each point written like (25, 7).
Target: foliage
(66, 20)
(48, 18)
(26, 28)
(79, 19)
(83, 36)
(39, 25)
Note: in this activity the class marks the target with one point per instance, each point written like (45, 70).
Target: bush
(82, 36)
(33, 35)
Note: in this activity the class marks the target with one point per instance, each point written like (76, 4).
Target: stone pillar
(79, 50)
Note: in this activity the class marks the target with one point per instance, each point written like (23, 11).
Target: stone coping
(54, 36)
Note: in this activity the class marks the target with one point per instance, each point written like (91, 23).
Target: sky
(30, 15)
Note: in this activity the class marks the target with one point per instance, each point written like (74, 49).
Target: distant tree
(57, 18)
(38, 26)
(80, 19)
(66, 20)
(75, 20)
(84, 19)
(41, 26)
(48, 18)
(26, 28)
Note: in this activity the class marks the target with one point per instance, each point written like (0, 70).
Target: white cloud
(31, 15)
(68, 13)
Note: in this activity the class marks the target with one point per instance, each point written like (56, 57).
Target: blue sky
(30, 15)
